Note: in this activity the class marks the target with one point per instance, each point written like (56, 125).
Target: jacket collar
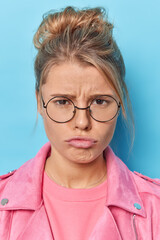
(121, 188)
(24, 188)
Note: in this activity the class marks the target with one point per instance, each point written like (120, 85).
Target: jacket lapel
(121, 189)
(38, 227)
(121, 193)
(106, 228)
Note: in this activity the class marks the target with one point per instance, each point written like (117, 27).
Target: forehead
(76, 79)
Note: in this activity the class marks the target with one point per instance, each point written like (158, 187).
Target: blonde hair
(84, 36)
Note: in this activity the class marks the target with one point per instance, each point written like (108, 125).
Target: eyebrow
(74, 97)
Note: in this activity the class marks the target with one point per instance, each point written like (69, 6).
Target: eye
(99, 101)
(61, 102)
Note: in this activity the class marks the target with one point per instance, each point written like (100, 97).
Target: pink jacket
(132, 209)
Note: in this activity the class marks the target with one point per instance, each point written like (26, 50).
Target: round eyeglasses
(61, 109)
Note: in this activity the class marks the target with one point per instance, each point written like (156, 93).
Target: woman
(75, 187)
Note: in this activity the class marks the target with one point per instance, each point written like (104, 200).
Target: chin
(82, 156)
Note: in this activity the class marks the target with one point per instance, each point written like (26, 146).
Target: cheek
(53, 130)
(107, 131)
(56, 132)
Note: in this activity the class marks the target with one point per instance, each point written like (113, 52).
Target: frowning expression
(79, 83)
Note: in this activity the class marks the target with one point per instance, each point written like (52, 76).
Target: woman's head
(84, 38)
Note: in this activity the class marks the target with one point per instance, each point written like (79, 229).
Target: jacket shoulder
(151, 180)
(147, 184)
(7, 175)
(4, 179)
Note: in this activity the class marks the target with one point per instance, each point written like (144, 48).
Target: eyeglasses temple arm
(43, 102)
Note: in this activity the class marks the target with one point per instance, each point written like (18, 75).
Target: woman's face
(81, 82)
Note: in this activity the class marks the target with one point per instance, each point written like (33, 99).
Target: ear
(39, 102)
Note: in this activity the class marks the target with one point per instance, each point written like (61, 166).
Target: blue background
(137, 32)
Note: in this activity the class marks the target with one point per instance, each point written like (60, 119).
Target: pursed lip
(81, 138)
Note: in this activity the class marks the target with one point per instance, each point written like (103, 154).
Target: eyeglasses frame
(75, 107)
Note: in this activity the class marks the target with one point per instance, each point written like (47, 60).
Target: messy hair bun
(84, 22)
(84, 36)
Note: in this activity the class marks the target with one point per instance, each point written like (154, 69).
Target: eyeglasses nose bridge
(82, 108)
(75, 107)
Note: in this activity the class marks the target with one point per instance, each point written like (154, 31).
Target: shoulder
(7, 175)
(5, 178)
(146, 184)
(148, 179)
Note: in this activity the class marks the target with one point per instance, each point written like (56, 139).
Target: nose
(82, 118)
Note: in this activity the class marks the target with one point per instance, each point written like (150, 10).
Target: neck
(76, 175)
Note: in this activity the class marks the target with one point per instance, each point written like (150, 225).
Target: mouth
(81, 142)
